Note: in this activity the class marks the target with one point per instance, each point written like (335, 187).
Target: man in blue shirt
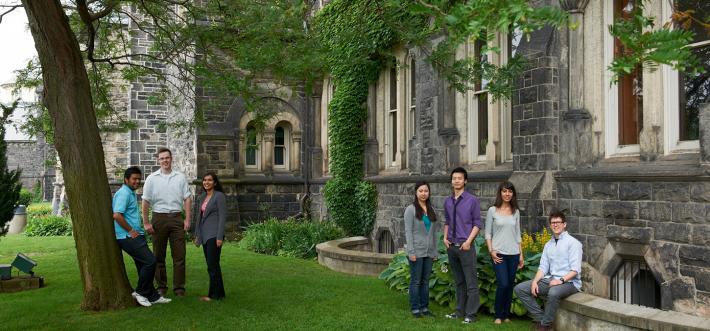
(463, 222)
(558, 276)
(131, 239)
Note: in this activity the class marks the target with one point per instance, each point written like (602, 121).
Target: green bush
(442, 288)
(25, 197)
(37, 195)
(289, 238)
(48, 225)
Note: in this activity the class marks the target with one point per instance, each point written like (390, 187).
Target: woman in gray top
(209, 231)
(420, 233)
(503, 237)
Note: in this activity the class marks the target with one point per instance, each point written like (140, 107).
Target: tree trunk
(68, 98)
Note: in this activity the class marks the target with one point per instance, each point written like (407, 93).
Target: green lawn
(263, 293)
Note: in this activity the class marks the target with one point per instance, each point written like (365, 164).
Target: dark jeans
(553, 294)
(169, 228)
(505, 279)
(145, 264)
(212, 255)
(463, 268)
(419, 272)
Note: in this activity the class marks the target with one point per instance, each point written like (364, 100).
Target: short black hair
(459, 170)
(130, 171)
(557, 214)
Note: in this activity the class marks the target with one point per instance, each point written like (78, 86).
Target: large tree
(83, 48)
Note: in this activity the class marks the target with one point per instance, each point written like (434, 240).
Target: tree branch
(11, 8)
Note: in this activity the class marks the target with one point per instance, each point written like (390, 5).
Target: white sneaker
(134, 294)
(162, 299)
(143, 301)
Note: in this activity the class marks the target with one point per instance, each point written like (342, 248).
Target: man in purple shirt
(463, 222)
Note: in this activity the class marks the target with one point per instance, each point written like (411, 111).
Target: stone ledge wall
(31, 157)
(663, 222)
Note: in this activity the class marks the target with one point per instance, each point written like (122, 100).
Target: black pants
(463, 268)
(145, 264)
(212, 254)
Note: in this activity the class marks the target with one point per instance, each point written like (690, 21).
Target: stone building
(627, 162)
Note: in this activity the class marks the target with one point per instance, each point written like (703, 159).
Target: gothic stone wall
(32, 157)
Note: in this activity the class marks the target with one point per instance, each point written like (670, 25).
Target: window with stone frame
(624, 99)
(411, 97)
(685, 92)
(252, 148)
(392, 120)
(512, 41)
(281, 146)
(477, 107)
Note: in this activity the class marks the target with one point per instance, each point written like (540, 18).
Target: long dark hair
(217, 184)
(419, 211)
(499, 197)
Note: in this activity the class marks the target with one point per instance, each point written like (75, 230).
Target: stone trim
(660, 173)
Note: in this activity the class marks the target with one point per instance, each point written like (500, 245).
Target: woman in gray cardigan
(209, 232)
(420, 233)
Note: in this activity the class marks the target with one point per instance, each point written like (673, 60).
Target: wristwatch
(562, 279)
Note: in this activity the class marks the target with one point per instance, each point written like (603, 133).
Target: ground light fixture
(24, 263)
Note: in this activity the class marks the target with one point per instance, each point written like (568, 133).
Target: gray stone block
(601, 191)
(593, 248)
(690, 212)
(587, 208)
(655, 211)
(700, 192)
(700, 275)
(620, 209)
(704, 119)
(630, 234)
(695, 255)
(594, 225)
(635, 191)
(700, 235)
(663, 259)
(570, 190)
(671, 231)
(677, 192)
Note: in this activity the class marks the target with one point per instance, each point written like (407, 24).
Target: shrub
(289, 237)
(48, 225)
(37, 195)
(25, 197)
(442, 288)
(38, 210)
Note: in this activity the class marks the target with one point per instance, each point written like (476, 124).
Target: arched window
(252, 155)
(282, 144)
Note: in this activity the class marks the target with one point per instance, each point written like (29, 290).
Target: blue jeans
(419, 272)
(145, 262)
(505, 279)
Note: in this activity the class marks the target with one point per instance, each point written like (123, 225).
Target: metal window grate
(634, 283)
(385, 244)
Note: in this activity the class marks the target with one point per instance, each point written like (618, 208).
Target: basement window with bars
(634, 283)
(386, 243)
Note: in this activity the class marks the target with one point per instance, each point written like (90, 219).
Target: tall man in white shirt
(167, 193)
(558, 276)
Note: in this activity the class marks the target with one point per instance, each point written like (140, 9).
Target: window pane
(413, 81)
(701, 11)
(251, 146)
(482, 122)
(480, 84)
(393, 129)
(630, 100)
(694, 91)
(279, 155)
(393, 88)
(279, 136)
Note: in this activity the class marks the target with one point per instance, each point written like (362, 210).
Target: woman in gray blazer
(209, 231)
(420, 233)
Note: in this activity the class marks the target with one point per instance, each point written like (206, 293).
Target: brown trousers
(169, 227)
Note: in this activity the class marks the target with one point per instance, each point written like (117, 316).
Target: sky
(18, 48)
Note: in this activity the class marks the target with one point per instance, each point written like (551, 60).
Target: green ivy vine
(356, 36)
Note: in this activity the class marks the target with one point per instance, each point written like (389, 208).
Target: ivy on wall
(356, 35)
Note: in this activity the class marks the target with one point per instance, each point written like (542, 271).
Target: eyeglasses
(556, 222)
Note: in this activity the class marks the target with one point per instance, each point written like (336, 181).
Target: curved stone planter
(352, 256)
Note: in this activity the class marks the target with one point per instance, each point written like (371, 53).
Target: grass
(263, 293)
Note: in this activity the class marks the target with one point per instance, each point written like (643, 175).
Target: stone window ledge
(637, 172)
